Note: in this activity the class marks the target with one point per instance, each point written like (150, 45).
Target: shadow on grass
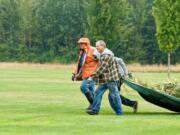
(82, 111)
(152, 113)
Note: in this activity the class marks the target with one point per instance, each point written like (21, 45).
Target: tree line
(48, 30)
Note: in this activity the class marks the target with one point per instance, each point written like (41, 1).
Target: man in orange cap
(85, 67)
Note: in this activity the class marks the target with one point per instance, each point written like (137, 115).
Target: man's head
(100, 46)
(83, 43)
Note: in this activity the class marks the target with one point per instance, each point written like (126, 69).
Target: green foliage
(48, 30)
(110, 21)
(167, 17)
(10, 22)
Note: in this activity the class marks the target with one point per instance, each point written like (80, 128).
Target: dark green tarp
(157, 98)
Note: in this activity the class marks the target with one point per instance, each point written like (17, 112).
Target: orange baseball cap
(84, 40)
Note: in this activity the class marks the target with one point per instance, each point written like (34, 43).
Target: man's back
(108, 70)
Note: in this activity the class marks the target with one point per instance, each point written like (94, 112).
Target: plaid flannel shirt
(107, 71)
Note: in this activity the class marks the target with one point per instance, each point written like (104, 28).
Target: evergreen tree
(9, 29)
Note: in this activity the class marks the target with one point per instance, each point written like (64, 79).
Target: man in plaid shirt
(106, 77)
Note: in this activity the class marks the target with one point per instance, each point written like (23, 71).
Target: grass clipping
(170, 87)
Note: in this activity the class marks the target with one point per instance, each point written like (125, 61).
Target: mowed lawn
(44, 101)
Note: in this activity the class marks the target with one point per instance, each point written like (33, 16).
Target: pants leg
(92, 87)
(126, 101)
(87, 88)
(98, 97)
(115, 100)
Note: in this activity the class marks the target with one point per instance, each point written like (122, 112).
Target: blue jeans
(88, 85)
(114, 93)
(125, 101)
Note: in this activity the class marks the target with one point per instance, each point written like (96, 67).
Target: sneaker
(135, 107)
(90, 112)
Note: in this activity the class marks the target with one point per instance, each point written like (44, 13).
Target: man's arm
(123, 65)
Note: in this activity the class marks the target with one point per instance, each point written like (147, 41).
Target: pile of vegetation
(170, 87)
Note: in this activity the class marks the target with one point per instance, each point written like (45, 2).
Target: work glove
(130, 75)
(123, 77)
(73, 77)
(90, 79)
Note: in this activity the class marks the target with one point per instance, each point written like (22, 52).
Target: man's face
(82, 45)
(99, 48)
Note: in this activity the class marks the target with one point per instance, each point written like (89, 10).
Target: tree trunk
(30, 39)
(169, 63)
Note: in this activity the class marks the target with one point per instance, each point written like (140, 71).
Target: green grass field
(44, 101)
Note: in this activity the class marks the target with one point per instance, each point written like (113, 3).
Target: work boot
(135, 107)
(91, 112)
(90, 99)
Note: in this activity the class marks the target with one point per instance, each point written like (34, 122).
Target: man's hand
(123, 77)
(73, 77)
(89, 79)
(130, 75)
(93, 75)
